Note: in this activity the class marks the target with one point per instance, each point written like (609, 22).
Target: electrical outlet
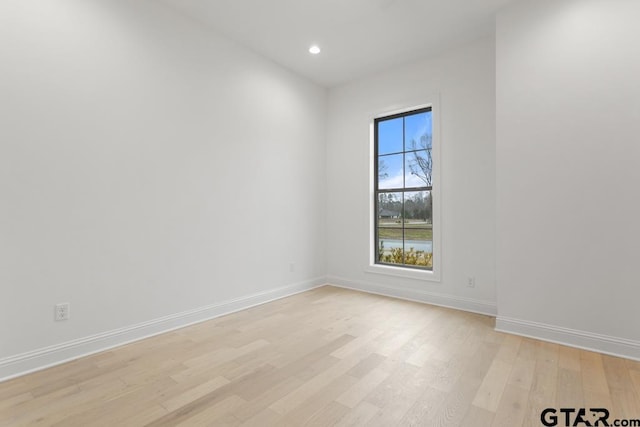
(62, 311)
(471, 282)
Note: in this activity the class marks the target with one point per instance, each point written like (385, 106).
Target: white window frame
(400, 271)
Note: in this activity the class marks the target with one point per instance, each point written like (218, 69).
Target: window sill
(408, 273)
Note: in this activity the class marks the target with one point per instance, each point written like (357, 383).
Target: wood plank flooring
(326, 357)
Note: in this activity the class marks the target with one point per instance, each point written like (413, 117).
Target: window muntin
(403, 200)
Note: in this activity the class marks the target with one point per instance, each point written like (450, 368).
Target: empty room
(290, 213)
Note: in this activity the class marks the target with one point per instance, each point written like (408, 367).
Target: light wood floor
(326, 357)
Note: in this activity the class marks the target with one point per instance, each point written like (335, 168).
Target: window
(403, 190)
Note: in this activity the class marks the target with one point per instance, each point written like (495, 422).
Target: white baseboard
(451, 301)
(21, 364)
(573, 338)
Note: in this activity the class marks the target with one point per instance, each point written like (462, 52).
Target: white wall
(147, 167)
(568, 114)
(465, 82)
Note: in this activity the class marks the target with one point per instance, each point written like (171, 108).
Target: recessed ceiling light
(315, 49)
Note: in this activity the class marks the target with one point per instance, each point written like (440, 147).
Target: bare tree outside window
(422, 164)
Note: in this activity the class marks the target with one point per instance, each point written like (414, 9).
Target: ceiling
(357, 37)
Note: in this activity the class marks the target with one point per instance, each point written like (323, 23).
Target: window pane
(418, 131)
(418, 254)
(418, 169)
(390, 244)
(418, 231)
(390, 172)
(389, 209)
(390, 136)
(417, 208)
(390, 206)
